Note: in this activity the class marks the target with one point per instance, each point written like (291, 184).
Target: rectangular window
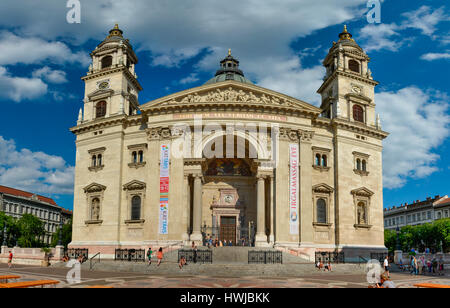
(429, 214)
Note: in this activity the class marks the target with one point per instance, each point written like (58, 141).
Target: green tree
(442, 227)
(31, 229)
(390, 240)
(12, 229)
(66, 235)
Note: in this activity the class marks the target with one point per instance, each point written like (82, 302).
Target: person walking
(160, 255)
(195, 255)
(149, 255)
(10, 258)
(386, 266)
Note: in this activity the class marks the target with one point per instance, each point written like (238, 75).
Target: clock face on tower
(103, 85)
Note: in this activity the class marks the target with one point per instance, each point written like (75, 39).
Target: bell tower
(348, 89)
(111, 85)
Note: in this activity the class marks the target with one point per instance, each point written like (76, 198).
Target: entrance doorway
(228, 229)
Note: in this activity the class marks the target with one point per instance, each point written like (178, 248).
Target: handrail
(363, 260)
(90, 260)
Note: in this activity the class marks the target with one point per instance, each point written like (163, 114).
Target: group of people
(420, 266)
(209, 242)
(159, 255)
(320, 266)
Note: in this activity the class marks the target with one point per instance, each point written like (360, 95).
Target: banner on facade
(293, 189)
(164, 189)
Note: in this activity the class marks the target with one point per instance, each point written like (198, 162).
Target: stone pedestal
(5, 249)
(398, 256)
(59, 252)
(261, 240)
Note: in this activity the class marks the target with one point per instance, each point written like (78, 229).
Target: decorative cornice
(359, 128)
(323, 188)
(361, 172)
(97, 150)
(362, 155)
(363, 192)
(134, 185)
(94, 187)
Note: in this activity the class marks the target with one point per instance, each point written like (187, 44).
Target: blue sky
(280, 46)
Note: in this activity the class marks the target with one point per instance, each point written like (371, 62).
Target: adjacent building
(15, 203)
(417, 212)
(283, 173)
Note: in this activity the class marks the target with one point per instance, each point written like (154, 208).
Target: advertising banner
(293, 189)
(164, 189)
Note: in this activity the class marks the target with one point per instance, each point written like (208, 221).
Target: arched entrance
(229, 197)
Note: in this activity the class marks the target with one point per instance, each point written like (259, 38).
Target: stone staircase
(227, 262)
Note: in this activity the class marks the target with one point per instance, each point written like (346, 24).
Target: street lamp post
(5, 235)
(398, 240)
(60, 231)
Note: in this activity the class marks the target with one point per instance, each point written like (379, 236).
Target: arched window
(317, 159)
(358, 113)
(134, 154)
(358, 164)
(353, 66)
(364, 165)
(107, 62)
(94, 160)
(324, 161)
(99, 160)
(100, 109)
(321, 210)
(136, 208)
(95, 209)
(141, 156)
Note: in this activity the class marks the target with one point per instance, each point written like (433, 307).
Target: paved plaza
(153, 280)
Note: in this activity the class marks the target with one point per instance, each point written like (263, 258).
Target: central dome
(229, 70)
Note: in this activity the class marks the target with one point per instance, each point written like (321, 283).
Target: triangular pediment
(94, 187)
(230, 93)
(364, 192)
(323, 188)
(100, 93)
(134, 185)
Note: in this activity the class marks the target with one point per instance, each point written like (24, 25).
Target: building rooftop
(418, 204)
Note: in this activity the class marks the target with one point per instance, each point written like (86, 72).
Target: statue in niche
(361, 214)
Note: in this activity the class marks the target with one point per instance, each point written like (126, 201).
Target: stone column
(272, 211)
(261, 238)
(197, 219)
(187, 200)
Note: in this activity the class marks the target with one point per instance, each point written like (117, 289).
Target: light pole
(5, 235)
(398, 240)
(60, 231)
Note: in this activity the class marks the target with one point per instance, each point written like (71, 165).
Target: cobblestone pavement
(135, 280)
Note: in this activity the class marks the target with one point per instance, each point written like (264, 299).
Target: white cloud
(36, 172)
(391, 37)
(177, 31)
(418, 123)
(424, 19)
(435, 56)
(20, 88)
(381, 36)
(32, 50)
(189, 79)
(49, 75)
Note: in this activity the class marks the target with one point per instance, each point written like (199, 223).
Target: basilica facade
(228, 160)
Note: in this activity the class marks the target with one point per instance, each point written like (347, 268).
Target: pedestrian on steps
(159, 255)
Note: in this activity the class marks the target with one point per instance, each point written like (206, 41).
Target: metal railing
(265, 257)
(196, 256)
(91, 264)
(74, 253)
(329, 256)
(380, 256)
(129, 255)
